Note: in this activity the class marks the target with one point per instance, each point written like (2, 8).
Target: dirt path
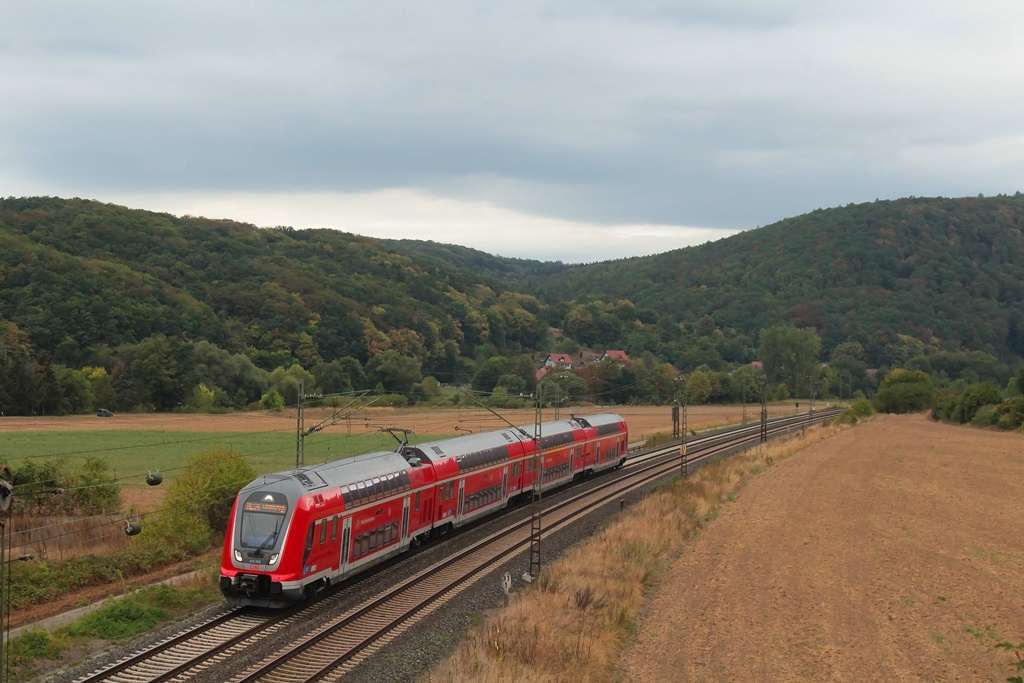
(894, 551)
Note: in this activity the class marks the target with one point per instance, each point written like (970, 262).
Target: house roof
(617, 355)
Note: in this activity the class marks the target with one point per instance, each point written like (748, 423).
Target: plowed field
(892, 552)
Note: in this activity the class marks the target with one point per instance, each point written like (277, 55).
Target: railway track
(334, 648)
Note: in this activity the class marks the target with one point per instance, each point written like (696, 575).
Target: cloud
(414, 214)
(728, 114)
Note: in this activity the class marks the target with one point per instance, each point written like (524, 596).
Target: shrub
(272, 400)
(198, 502)
(904, 398)
(1010, 414)
(985, 417)
(973, 398)
(861, 407)
(54, 487)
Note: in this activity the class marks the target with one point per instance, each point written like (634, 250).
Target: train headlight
(273, 559)
(238, 556)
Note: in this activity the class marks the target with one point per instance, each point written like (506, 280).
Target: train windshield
(262, 516)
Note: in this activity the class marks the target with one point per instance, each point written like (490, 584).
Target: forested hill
(78, 276)
(946, 272)
(162, 304)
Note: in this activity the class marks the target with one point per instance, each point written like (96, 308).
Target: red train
(293, 533)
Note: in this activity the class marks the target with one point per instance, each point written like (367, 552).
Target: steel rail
(236, 630)
(335, 648)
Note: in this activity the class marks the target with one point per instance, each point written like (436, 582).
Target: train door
(504, 484)
(346, 536)
(572, 459)
(462, 497)
(403, 539)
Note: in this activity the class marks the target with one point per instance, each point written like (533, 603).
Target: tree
(489, 374)
(788, 352)
(287, 382)
(397, 373)
(698, 388)
(160, 372)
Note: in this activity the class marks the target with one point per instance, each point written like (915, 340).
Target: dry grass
(572, 624)
(58, 538)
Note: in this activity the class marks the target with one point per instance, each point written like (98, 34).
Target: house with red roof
(560, 360)
(616, 356)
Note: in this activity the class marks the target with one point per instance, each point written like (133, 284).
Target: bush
(973, 398)
(985, 417)
(88, 490)
(904, 398)
(1010, 414)
(272, 400)
(198, 502)
(861, 407)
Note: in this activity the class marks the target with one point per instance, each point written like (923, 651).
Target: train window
(323, 532)
(334, 528)
(346, 496)
(406, 481)
(417, 500)
(378, 487)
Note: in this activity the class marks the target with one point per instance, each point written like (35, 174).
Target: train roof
(469, 443)
(605, 423)
(555, 433)
(313, 478)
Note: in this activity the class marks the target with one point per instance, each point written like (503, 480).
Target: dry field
(643, 420)
(893, 551)
(889, 551)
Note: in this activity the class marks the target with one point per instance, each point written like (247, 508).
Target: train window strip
(375, 539)
(323, 532)
(483, 497)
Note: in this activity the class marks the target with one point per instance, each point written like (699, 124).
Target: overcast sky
(574, 131)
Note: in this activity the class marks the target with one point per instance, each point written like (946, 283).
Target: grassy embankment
(582, 609)
(131, 453)
(37, 650)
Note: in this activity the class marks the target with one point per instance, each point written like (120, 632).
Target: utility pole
(683, 456)
(762, 385)
(300, 436)
(810, 406)
(675, 412)
(6, 491)
(538, 479)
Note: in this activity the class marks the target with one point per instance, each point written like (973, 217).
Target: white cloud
(414, 214)
(727, 113)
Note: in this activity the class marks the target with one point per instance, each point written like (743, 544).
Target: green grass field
(130, 454)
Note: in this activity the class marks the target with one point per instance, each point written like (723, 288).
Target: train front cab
(254, 557)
